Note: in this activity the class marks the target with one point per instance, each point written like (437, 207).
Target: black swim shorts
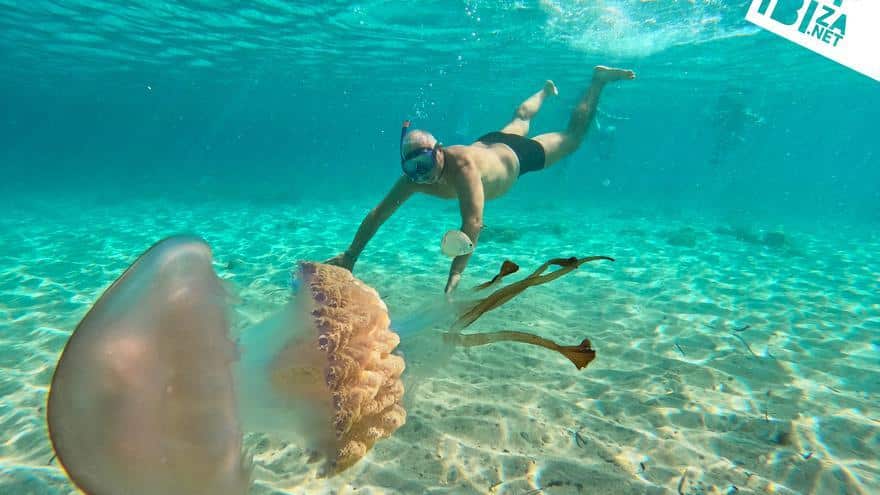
(529, 152)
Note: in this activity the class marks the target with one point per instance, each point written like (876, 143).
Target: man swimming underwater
(486, 169)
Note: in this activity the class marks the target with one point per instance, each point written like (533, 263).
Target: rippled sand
(728, 355)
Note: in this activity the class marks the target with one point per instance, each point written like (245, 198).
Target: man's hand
(452, 283)
(343, 260)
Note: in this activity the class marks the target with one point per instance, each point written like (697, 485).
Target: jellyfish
(152, 393)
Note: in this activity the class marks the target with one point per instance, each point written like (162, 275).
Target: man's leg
(558, 145)
(527, 109)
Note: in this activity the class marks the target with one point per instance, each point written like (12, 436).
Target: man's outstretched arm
(470, 199)
(400, 192)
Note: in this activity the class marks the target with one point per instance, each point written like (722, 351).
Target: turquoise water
(735, 181)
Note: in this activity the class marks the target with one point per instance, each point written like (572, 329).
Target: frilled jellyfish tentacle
(581, 355)
(507, 268)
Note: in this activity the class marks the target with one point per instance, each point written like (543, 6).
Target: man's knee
(571, 141)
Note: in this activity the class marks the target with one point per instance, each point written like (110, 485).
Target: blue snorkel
(403, 130)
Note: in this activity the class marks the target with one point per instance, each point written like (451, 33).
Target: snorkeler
(486, 169)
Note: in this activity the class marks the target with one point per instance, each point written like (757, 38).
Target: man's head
(421, 156)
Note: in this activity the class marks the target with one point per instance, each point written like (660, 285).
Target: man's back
(496, 165)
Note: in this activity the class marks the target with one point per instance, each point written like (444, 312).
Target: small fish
(679, 348)
(456, 243)
(746, 344)
(579, 440)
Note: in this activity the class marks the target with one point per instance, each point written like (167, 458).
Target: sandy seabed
(732, 358)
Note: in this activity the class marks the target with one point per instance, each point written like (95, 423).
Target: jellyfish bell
(142, 401)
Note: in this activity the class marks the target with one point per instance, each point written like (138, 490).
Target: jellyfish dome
(153, 393)
(142, 400)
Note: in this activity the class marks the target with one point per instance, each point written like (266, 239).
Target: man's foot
(609, 74)
(550, 88)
